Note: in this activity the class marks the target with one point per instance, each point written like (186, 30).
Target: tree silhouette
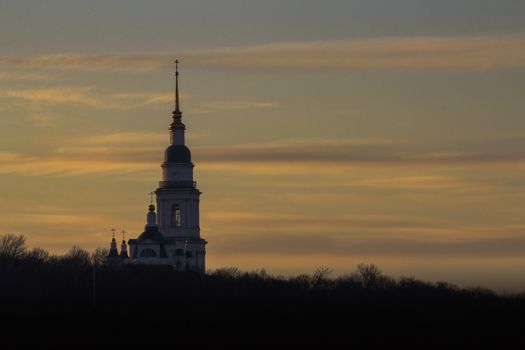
(320, 276)
(370, 276)
(99, 257)
(12, 246)
(79, 290)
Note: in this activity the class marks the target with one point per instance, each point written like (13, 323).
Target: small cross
(176, 65)
(123, 233)
(151, 197)
(113, 230)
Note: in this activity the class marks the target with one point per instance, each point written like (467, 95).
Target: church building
(172, 234)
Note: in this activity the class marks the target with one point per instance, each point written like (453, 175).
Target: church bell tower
(178, 197)
(172, 234)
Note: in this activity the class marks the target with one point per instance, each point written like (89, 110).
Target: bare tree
(227, 272)
(38, 255)
(370, 276)
(320, 276)
(78, 256)
(303, 281)
(12, 246)
(100, 256)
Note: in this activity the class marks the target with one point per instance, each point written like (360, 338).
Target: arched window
(176, 220)
(148, 253)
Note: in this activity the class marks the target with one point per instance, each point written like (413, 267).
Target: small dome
(151, 207)
(177, 154)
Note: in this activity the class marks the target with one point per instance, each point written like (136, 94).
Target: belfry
(172, 234)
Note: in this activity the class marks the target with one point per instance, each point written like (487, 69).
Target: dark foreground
(132, 305)
(82, 301)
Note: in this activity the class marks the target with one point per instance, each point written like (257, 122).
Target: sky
(323, 133)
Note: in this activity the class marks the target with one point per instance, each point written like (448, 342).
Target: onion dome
(177, 154)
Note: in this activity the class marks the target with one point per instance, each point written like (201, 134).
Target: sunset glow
(333, 135)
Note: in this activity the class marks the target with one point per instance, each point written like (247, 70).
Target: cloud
(233, 105)
(116, 62)
(304, 223)
(44, 120)
(138, 100)
(71, 164)
(50, 219)
(351, 235)
(462, 52)
(86, 96)
(131, 151)
(289, 244)
(414, 182)
(90, 97)
(22, 76)
(484, 52)
(347, 152)
(123, 138)
(76, 95)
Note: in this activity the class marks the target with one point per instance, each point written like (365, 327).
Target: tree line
(81, 290)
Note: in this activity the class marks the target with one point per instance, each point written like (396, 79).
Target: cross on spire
(151, 197)
(113, 230)
(123, 233)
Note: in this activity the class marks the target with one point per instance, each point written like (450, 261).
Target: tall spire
(177, 114)
(177, 110)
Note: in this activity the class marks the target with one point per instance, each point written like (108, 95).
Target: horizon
(322, 134)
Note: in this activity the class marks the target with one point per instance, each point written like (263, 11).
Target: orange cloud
(105, 153)
(414, 182)
(229, 105)
(22, 76)
(124, 138)
(77, 95)
(484, 52)
(371, 235)
(86, 96)
(67, 165)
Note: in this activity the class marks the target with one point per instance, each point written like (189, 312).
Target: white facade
(178, 210)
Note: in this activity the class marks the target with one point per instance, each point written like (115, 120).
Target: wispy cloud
(90, 97)
(44, 120)
(304, 223)
(313, 245)
(347, 152)
(76, 95)
(70, 165)
(50, 219)
(111, 62)
(86, 96)
(414, 182)
(483, 52)
(123, 138)
(142, 151)
(232, 105)
(350, 235)
(24, 76)
(460, 52)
